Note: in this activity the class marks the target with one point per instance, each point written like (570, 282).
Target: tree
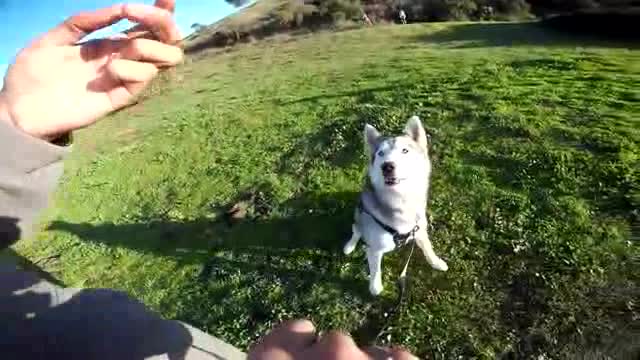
(295, 11)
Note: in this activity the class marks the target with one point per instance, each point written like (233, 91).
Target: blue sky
(31, 18)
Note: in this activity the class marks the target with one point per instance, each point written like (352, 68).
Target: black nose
(388, 168)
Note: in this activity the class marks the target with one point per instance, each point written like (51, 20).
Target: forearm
(29, 172)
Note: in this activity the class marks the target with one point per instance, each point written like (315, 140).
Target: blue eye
(404, 151)
(380, 153)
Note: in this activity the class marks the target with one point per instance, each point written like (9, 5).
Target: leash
(402, 287)
(400, 240)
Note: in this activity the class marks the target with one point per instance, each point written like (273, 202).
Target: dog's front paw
(375, 287)
(439, 264)
(349, 247)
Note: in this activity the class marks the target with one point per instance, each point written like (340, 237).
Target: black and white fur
(396, 194)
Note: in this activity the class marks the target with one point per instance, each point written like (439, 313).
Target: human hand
(57, 85)
(298, 340)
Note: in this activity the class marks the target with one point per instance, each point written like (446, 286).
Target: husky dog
(393, 204)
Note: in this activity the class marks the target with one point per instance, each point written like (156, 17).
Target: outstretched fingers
(158, 20)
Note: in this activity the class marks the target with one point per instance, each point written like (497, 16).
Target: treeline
(544, 7)
(602, 17)
(432, 10)
(315, 12)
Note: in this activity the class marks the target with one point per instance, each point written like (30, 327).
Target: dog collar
(399, 239)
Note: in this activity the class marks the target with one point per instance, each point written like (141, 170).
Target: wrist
(4, 109)
(62, 139)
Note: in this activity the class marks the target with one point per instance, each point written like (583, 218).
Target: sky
(31, 18)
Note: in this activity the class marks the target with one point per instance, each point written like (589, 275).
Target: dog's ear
(415, 131)
(371, 138)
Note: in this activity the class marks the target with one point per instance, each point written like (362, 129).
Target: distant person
(365, 18)
(403, 16)
(487, 12)
(58, 85)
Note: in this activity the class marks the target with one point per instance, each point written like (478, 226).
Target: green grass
(534, 198)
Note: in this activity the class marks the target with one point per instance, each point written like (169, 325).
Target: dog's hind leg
(422, 239)
(374, 257)
(351, 244)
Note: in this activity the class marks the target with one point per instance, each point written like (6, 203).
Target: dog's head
(399, 163)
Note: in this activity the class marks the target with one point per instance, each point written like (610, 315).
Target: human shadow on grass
(41, 317)
(499, 34)
(9, 231)
(253, 219)
(257, 231)
(10, 260)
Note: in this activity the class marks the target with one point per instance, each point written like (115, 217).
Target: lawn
(534, 199)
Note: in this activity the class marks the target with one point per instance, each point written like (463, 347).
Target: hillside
(249, 20)
(534, 199)
(615, 19)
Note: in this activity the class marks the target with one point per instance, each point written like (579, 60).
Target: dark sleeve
(29, 172)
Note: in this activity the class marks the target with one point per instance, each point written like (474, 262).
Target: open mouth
(390, 181)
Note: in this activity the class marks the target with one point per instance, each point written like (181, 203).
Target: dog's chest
(378, 238)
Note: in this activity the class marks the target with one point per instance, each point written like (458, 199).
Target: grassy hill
(534, 198)
(251, 19)
(265, 18)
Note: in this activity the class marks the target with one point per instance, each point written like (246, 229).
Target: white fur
(408, 197)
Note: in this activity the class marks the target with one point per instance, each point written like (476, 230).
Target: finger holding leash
(299, 339)
(285, 341)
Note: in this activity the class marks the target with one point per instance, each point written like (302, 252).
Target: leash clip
(414, 231)
(403, 239)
